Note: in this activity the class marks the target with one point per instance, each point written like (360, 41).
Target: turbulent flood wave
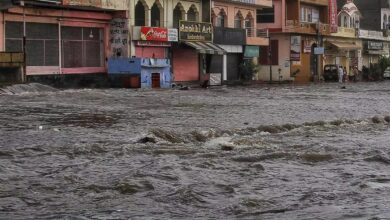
(26, 88)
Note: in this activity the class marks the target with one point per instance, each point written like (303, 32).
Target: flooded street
(281, 152)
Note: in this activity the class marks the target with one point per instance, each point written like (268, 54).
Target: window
(178, 13)
(192, 14)
(139, 14)
(345, 21)
(220, 20)
(266, 15)
(264, 54)
(42, 48)
(310, 14)
(82, 47)
(238, 20)
(248, 26)
(155, 16)
(384, 22)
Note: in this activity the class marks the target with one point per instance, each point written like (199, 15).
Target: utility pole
(24, 77)
(318, 55)
(269, 57)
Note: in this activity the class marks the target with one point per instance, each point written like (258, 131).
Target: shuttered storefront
(81, 47)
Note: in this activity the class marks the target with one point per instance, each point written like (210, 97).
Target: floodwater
(280, 152)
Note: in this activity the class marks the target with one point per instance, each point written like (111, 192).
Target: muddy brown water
(281, 152)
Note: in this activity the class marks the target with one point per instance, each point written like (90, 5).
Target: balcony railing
(295, 26)
(252, 32)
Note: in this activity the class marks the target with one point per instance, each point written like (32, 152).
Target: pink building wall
(231, 10)
(63, 18)
(279, 16)
(148, 52)
(185, 65)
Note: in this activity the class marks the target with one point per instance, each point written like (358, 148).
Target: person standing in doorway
(341, 74)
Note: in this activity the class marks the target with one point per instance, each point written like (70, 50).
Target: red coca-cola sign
(154, 34)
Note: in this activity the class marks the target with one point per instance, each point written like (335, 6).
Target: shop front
(232, 40)
(196, 58)
(344, 52)
(373, 50)
(153, 42)
(58, 41)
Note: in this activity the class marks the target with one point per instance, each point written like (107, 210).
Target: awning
(345, 46)
(206, 47)
(378, 52)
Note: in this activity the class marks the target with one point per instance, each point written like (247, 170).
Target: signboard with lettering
(154, 34)
(374, 45)
(153, 44)
(195, 31)
(319, 50)
(158, 34)
(333, 20)
(173, 35)
(295, 48)
(119, 37)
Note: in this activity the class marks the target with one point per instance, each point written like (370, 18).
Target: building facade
(296, 28)
(58, 37)
(237, 32)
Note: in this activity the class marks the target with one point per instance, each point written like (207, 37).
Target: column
(224, 67)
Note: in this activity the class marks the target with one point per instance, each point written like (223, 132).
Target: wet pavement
(280, 152)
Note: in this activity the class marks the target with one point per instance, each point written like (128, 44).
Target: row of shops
(62, 42)
(196, 52)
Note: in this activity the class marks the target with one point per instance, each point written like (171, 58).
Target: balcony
(257, 37)
(105, 4)
(229, 36)
(259, 3)
(345, 32)
(294, 26)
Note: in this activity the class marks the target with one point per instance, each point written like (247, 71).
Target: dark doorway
(313, 61)
(233, 63)
(156, 80)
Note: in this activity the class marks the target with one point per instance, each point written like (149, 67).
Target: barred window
(41, 42)
(82, 47)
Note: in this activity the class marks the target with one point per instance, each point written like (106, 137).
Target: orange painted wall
(185, 65)
(147, 52)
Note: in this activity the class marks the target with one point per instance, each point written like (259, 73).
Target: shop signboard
(153, 44)
(158, 34)
(154, 34)
(251, 51)
(319, 50)
(374, 45)
(333, 23)
(195, 31)
(173, 35)
(295, 48)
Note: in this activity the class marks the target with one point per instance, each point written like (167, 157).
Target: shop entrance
(156, 80)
